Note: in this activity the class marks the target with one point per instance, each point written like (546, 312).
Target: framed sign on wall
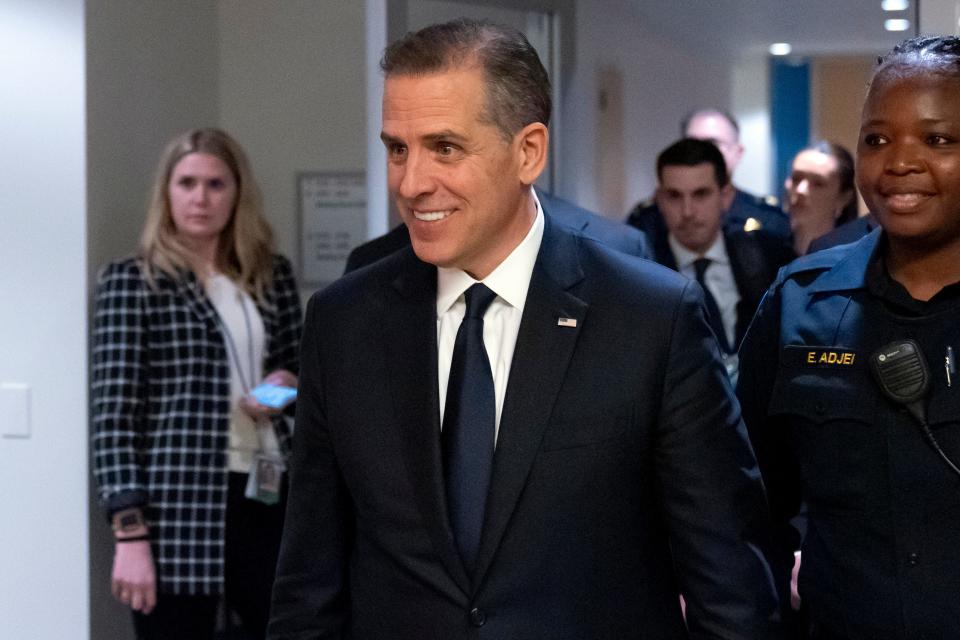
(333, 219)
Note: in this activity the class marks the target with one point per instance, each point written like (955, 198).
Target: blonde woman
(189, 464)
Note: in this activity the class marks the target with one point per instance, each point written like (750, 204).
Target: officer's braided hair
(933, 54)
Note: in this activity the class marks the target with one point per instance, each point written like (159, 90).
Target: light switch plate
(14, 410)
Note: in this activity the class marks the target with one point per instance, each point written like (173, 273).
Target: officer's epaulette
(770, 203)
(646, 203)
(642, 208)
(816, 261)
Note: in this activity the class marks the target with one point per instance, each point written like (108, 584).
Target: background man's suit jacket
(755, 259)
(617, 235)
(621, 462)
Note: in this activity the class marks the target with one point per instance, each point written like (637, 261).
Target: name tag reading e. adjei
(816, 356)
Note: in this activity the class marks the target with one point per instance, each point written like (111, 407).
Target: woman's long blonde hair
(245, 250)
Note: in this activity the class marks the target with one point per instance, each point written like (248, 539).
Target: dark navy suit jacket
(755, 258)
(622, 474)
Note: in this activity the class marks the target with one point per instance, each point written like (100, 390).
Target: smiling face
(908, 157)
(692, 204)
(462, 189)
(202, 192)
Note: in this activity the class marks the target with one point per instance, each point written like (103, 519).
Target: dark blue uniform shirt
(880, 517)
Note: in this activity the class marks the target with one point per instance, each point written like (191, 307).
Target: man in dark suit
(614, 234)
(509, 430)
(733, 265)
(745, 211)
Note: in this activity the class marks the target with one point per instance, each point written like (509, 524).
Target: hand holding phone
(273, 395)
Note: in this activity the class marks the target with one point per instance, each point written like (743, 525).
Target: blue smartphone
(274, 395)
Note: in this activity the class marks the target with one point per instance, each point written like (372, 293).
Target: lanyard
(232, 345)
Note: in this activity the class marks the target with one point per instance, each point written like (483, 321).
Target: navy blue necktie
(714, 318)
(468, 427)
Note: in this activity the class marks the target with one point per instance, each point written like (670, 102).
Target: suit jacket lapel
(741, 280)
(410, 341)
(540, 361)
(750, 268)
(192, 292)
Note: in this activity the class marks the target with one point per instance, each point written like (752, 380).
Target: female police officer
(878, 493)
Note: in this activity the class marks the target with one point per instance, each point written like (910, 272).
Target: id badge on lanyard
(266, 476)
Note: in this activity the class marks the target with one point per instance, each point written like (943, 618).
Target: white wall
(661, 81)
(43, 477)
(750, 104)
(375, 40)
(940, 16)
(152, 73)
(292, 90)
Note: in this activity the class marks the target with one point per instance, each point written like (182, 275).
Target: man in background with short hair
(745, 211)
(733, 266)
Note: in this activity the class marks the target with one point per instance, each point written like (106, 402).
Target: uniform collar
(850, 272)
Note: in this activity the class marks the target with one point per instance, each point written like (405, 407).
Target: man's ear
(738, 154)
(658, 194)
(531, 143)
(727, 194)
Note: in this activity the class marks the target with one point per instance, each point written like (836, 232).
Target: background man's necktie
(468, 427)
(713, 311)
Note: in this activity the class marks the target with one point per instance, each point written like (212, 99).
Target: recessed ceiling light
(780, 49)
(898, 24)
(895, 5)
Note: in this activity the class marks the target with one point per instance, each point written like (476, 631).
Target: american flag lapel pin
(566, 322)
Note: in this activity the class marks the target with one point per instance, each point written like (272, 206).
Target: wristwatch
(129, 521)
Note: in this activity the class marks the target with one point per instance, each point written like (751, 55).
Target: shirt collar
(510, 280)
(879, 283)
(716, 252)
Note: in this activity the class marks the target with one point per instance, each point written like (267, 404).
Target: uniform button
(913, 559)
(477, 617)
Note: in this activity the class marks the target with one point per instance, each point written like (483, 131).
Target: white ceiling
(748, 27)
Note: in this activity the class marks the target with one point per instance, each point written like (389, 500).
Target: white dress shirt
(501, 322)
(718, 278)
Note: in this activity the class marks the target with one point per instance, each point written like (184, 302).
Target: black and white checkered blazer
(161, 410)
